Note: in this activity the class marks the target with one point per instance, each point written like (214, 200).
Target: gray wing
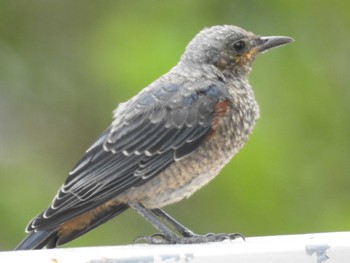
(157, 127)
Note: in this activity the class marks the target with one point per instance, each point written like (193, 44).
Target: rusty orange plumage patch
(221, 108)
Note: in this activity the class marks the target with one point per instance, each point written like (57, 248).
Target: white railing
(313, 248)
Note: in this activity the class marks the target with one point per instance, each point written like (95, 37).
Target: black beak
(265, 43)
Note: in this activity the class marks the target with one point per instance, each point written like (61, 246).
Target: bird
(163, 144)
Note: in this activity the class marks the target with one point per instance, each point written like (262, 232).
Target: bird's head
(229, 48)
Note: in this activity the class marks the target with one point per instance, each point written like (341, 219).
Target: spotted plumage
(164, 143)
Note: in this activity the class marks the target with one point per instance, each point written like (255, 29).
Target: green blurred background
(65, 65)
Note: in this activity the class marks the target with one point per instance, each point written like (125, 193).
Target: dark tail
(51, 239)
(36, 240)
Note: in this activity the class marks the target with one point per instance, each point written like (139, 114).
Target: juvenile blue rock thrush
(163, 144)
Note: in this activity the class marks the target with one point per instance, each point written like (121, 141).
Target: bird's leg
(164, 237)
(188, 236)
(184, 231)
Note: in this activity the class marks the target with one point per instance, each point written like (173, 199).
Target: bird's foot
(159, 238)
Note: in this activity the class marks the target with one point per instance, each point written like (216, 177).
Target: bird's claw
(159, 238)
(211, 237)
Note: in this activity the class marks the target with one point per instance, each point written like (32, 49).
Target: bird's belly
(182, 178)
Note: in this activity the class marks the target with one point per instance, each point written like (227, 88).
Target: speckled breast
(182, 178)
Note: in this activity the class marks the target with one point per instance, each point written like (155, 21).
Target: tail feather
(52, 238)
(36, 240)
(98, 220)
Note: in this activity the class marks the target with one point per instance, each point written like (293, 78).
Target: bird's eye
(239, 46)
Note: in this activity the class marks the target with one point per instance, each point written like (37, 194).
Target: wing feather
(159, 126)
